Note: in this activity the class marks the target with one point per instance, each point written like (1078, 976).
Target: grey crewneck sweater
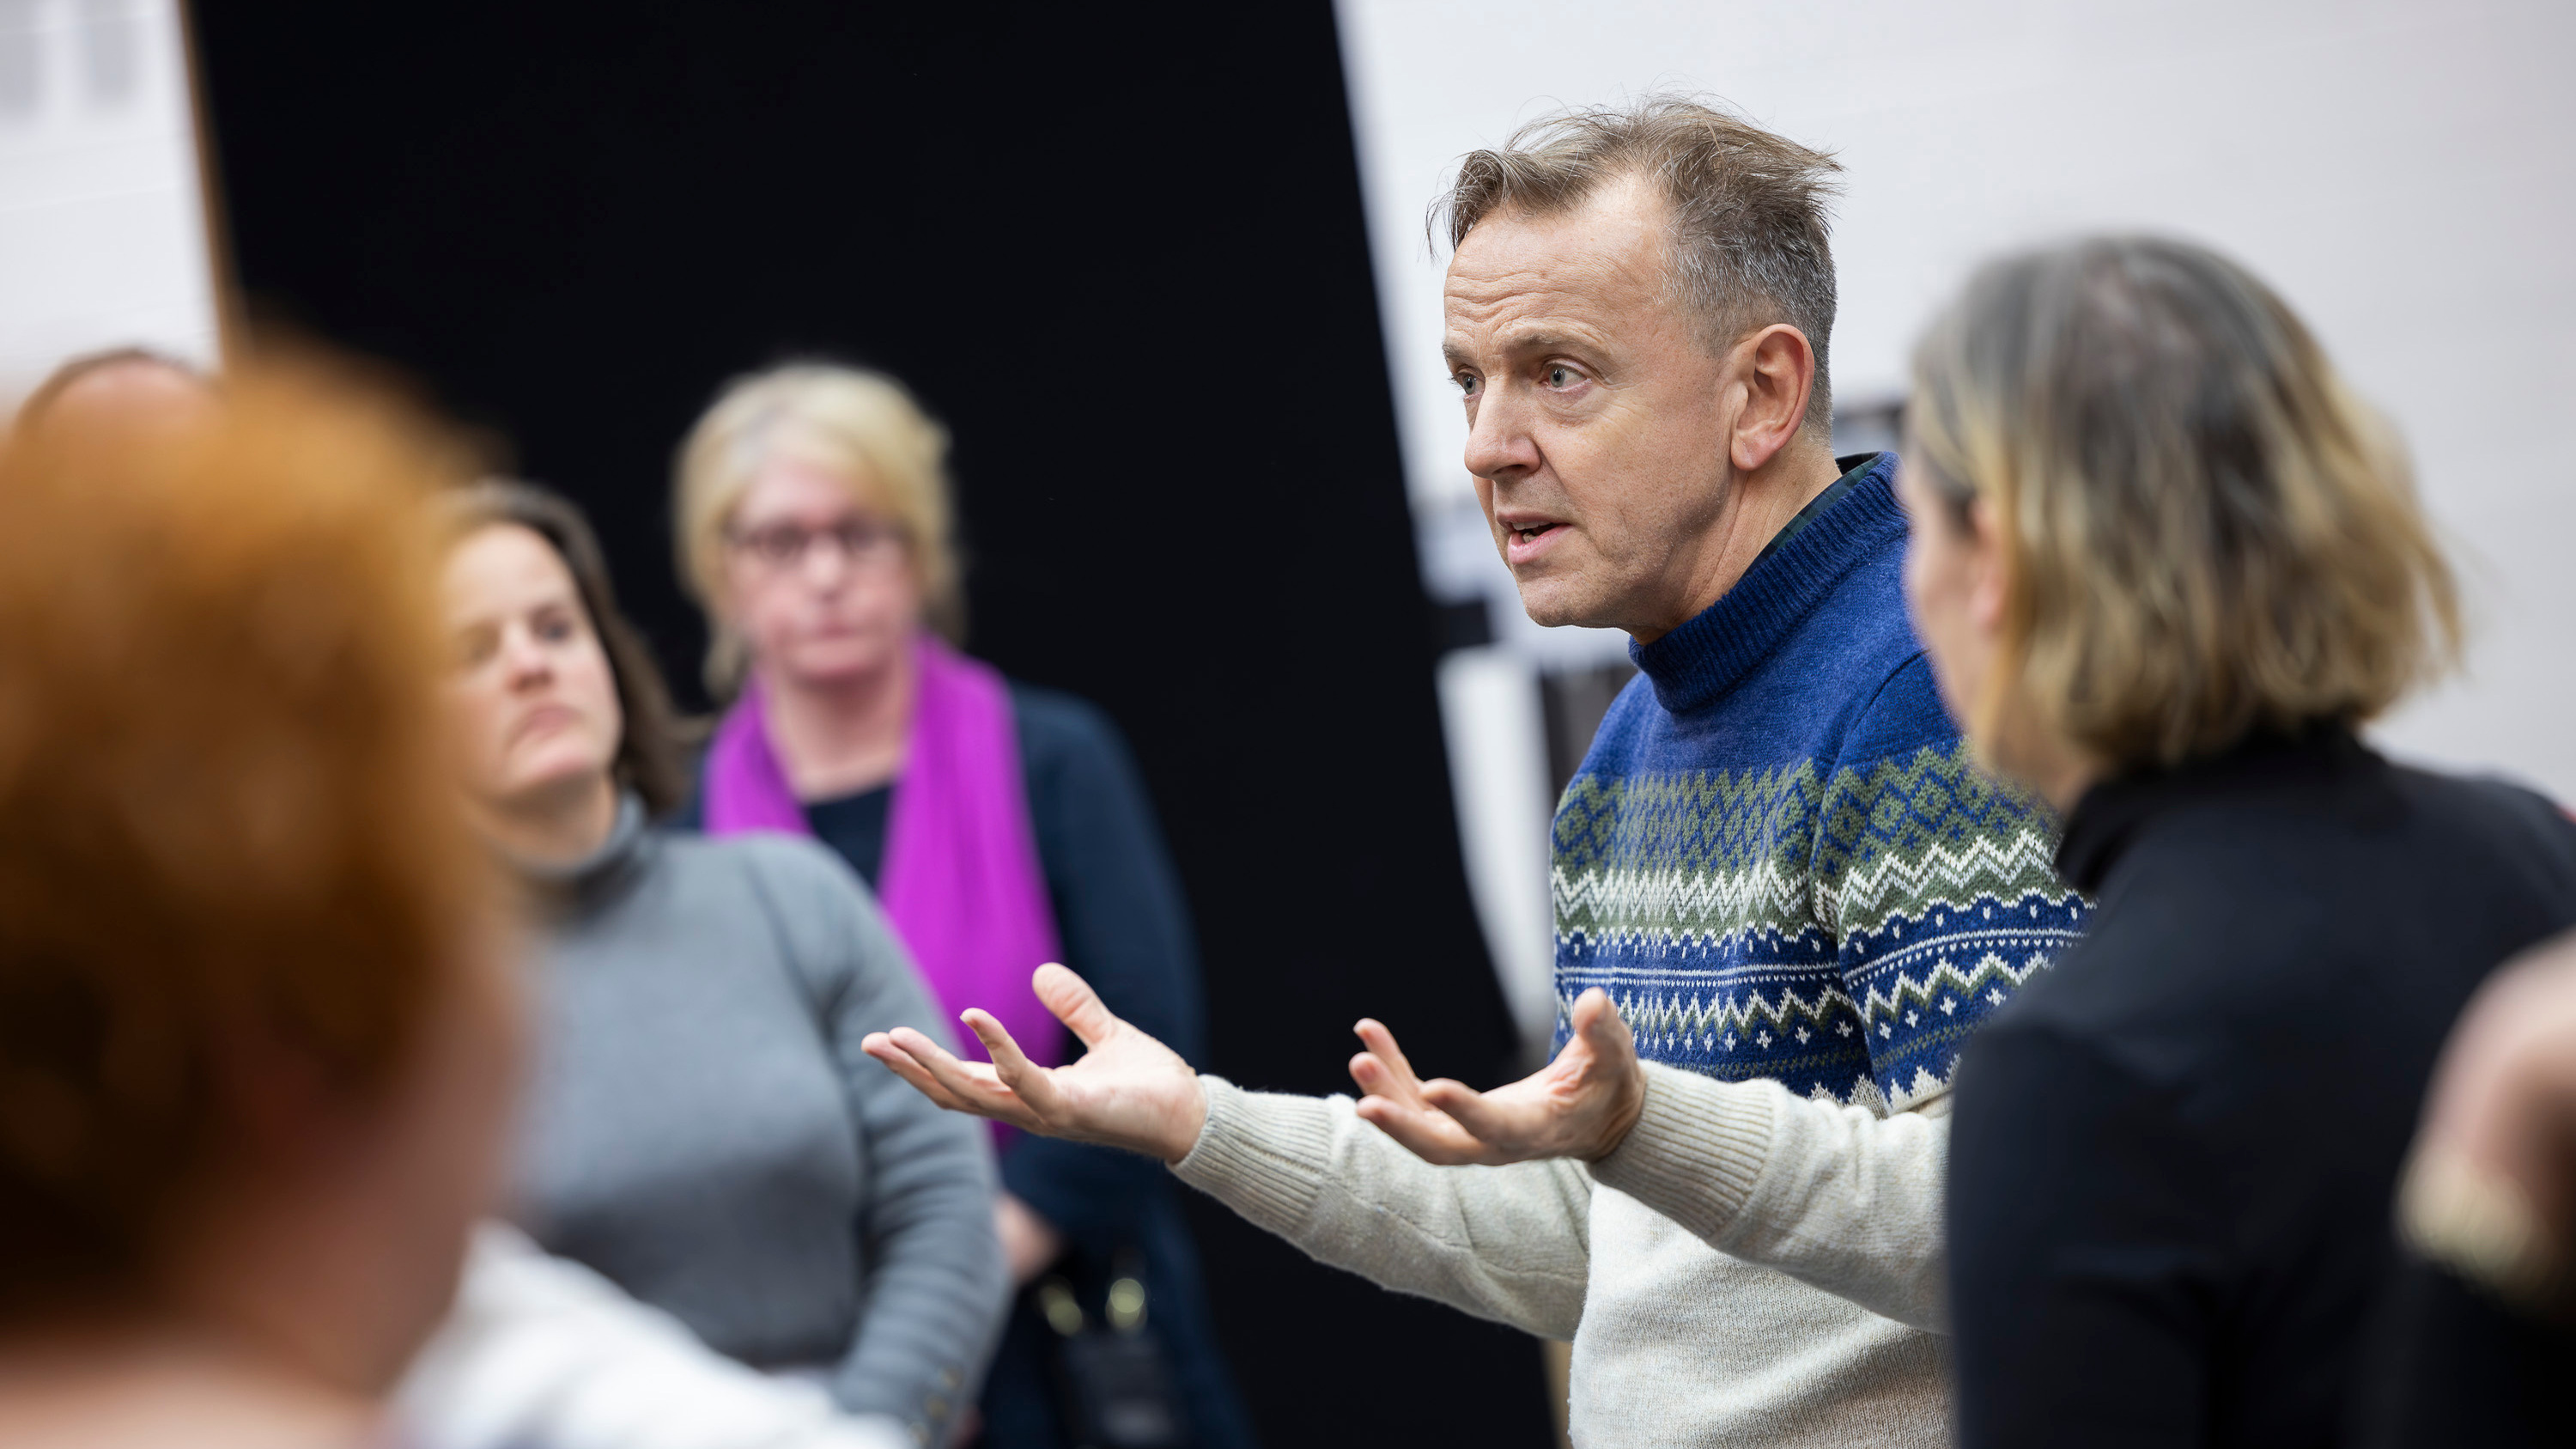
(703, 1129)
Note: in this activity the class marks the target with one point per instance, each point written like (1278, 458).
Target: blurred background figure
(542, 1353)
(2165, 565)
(703, 1130)
(258, 1030)
(2479, 1331)
(121, 387)
(1003, 826)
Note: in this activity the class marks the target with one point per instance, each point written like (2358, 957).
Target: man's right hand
(1126, 1090)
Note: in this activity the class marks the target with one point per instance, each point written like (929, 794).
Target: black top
(2174, 1154)
(855, 826)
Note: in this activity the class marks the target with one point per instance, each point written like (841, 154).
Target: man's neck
(1758, 506)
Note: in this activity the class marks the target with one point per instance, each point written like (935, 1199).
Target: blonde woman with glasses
(1001, 825)
(2167, 567)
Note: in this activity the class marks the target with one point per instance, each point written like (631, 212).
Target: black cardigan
(2173, 1155)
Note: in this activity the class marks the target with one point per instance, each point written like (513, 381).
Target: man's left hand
(1579, 1105)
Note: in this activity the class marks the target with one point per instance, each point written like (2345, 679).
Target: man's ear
(1777, 373)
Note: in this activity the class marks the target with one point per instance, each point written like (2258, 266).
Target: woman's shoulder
(792, 868)
(1054, 723)
(804, 898)
(1070, 750)
(2509, 818)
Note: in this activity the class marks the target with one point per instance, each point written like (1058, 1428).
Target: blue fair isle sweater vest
(1777, 857)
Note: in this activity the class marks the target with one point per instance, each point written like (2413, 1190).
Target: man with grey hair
(1783, 896)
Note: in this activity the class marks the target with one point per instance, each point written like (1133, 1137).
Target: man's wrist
(1631, 1106)
(1191, 1123)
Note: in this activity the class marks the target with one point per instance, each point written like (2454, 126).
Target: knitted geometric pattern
(1776, 856)
(1842, 935)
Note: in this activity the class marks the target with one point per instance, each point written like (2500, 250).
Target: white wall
(102, 234)
(2405, 173)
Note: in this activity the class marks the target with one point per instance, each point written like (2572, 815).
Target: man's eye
(1561, 376)
(1466, 384)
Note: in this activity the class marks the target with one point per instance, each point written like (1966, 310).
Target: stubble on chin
(1554, 601)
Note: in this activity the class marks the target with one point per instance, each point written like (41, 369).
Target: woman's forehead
(503, 565)
(799, 482)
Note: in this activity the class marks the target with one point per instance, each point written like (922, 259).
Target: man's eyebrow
(1528, 342)
(1523, 344)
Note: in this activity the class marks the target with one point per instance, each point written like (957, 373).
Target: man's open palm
(1127, 1089)
(1579, 1105)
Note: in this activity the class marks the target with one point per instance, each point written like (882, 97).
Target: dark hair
(1749, 224)
(648, 748)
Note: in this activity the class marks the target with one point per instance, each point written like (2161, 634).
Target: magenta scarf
(961, 880)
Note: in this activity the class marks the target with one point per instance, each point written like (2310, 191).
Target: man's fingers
(1376, 1078)
(1373, 1077)
(1477, 1117)
(1073, 1002)
(1381, 1045)
(1027, 1080)
(878, 1045)
(976, 1087)
(1598, 1023)
(1426, 1134)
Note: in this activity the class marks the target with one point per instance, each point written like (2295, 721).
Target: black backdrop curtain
(1120, 252)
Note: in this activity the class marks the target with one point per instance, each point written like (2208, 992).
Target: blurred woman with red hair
(257, 1028)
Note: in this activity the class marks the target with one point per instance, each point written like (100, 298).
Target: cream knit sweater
(1750, 1268)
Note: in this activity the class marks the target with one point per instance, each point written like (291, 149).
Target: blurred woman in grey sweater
(702, 1129)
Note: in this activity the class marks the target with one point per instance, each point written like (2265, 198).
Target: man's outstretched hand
(1127, 1090)
(1579, 1105)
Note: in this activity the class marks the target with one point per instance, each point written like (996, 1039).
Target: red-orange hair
(227, 814)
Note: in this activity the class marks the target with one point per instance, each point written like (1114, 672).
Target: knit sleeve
(1937, 883)
(1510, 1244)
(1837, 1197)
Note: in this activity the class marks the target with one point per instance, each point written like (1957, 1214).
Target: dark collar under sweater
(1697, 664)
(2110, 816)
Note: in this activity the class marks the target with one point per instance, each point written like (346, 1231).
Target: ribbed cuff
(1263, 1154)
(1697, 1148)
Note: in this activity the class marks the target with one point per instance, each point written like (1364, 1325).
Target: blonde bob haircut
(2207, 536)
(859, 426)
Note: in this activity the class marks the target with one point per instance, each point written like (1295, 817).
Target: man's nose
(1498, 439)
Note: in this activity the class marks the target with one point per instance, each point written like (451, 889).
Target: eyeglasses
(863, 543)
